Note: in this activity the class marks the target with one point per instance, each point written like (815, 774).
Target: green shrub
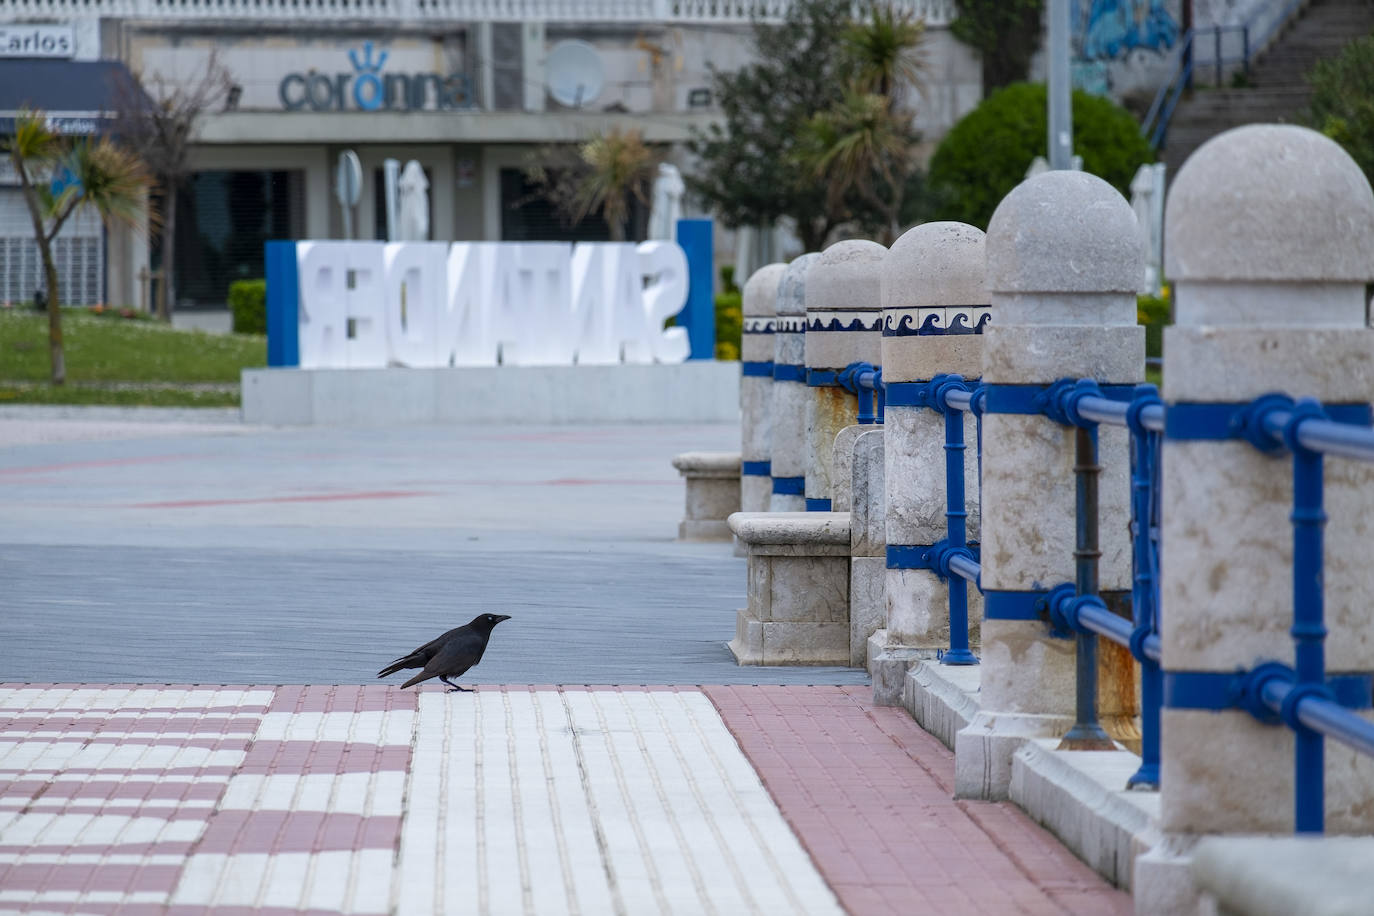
(729, 324)
(248, 302)
(1342, 90)
(727, 279)
(1154, 312)
(988, 152)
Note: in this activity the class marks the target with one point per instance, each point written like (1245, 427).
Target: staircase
(1278, 79)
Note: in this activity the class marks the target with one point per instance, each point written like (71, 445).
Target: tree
(1343, 101)
(156, 118)
(824, 144)
(96, 174)
(882, 51)
(603, 175)
(863, 146)
(987, 153)
(748, 168)
(1005, 33)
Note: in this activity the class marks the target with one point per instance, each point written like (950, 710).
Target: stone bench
(798, 590)
(712, 494)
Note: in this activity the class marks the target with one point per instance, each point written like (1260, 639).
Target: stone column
(935, 307)
(1270, 242)
(1063, 266)
(756, 387)
(843, 326)
(867, 542)
(790, 395)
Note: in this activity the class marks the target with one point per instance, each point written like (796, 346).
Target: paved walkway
(140, 549)
(220, 800)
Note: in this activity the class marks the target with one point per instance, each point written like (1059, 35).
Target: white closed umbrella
(665, 206)
(413, 204)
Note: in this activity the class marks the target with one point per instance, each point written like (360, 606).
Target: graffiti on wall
(1109, 31)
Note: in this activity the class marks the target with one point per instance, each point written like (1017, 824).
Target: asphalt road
(197, 550)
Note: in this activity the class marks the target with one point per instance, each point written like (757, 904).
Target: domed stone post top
(1063, 252)
(844, 306)
(790, 396)
(1269, 226)
(760, 310)
(756, 387)
(935, 303)
(1269, 245)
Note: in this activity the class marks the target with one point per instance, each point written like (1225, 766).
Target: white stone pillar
(790, 395)
(1270, 242)
(756, 387)
(843, 326)
(935, 307)
(867, 542)
(1063, 265)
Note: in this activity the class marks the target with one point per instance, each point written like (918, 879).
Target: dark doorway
(223, 219)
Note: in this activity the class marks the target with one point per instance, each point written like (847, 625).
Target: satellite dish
(576, 76)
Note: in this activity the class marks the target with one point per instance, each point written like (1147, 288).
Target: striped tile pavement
(141, 799)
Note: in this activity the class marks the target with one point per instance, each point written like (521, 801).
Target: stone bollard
(790, 395)
(935, 307)
(1270, 242)
(843, 326)
(1063, 265)
(713, 492)
(756, 387)
(867, 542)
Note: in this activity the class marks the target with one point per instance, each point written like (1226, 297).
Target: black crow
(451, 654)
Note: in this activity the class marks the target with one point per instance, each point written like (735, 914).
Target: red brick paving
(870, 794)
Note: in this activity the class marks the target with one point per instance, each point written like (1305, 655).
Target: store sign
(37, 41)
(432, 304)
(367, 88)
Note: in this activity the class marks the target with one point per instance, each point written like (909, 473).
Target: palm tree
(604, 175)
(104, 177)
(882, 48)
(862, 147)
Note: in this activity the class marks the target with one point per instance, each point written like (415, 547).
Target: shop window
(223, 220)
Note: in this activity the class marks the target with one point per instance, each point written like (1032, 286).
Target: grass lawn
(118, 361)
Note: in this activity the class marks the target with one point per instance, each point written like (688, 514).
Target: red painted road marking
(304, 498)
(85, 465)
(871, 797)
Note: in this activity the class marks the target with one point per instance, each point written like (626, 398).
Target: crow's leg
(456, 688)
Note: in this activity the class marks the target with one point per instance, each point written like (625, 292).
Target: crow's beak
(501, 617)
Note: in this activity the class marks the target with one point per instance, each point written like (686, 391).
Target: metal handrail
(1155, 126)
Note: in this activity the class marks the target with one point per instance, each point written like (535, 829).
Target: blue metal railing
(865, 381)
(1252, 41)
(1301, 697)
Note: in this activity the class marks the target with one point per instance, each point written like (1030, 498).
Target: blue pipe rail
(865, 381)
(1301, 697)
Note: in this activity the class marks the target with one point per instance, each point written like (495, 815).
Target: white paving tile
(592, 802)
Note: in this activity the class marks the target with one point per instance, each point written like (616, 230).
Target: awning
(78, 96)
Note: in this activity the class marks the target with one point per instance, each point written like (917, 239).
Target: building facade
(471, 89)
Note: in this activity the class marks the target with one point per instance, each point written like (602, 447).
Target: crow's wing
(457, 654)
(422, 655)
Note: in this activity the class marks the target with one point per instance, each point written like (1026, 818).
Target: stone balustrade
(1113, 605)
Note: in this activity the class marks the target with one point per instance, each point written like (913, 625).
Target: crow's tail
(416, 679)
(405, 661)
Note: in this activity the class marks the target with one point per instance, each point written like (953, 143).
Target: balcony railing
(934, 12)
